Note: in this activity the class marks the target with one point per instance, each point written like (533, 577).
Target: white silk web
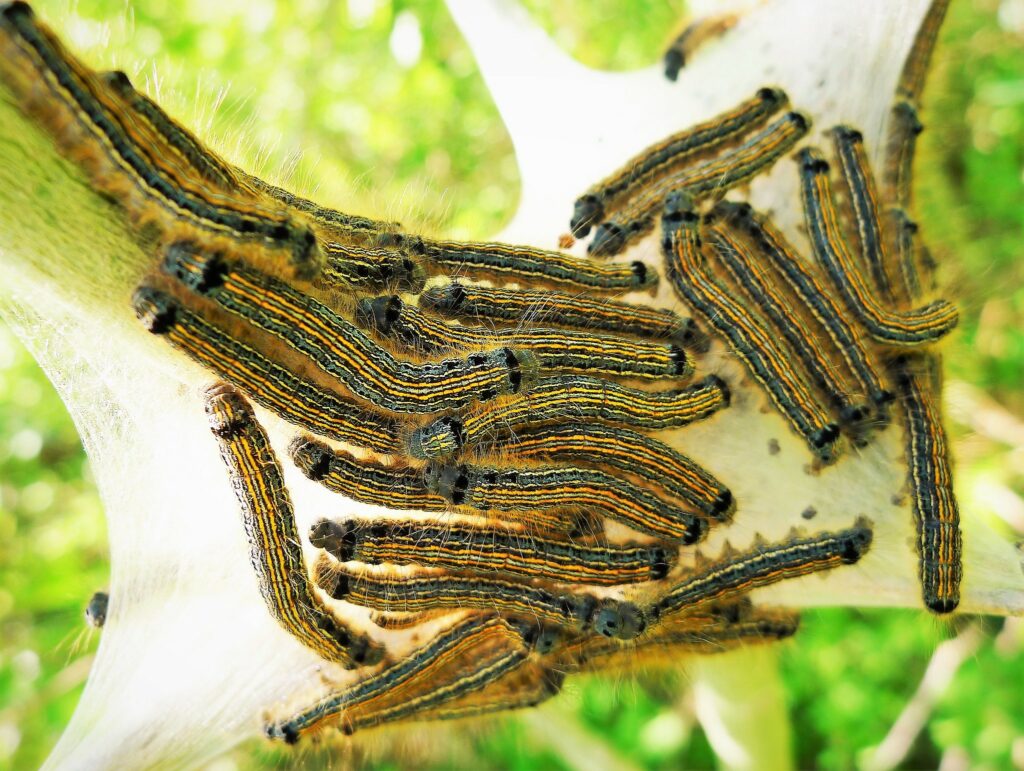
(189, 660)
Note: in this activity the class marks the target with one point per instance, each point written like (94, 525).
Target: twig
(940, 672)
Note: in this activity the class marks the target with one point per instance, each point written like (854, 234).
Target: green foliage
(316, 87)
(971, 193)
(610, 34)
(53, 556)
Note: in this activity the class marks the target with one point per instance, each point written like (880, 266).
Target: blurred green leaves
(53, 556)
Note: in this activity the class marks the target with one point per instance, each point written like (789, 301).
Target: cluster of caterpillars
(511, 421)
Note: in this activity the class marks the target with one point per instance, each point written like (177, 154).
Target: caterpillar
(274, 547)
(490, 549)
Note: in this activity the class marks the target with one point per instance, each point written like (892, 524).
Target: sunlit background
(377, 105)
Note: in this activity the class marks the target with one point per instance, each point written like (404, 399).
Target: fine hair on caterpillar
(421, 592)
(496, 306)
(529, 488)
(295, 399)
(568, 398)
(732, 256)
(713, 177)
(748, 334)
(125, 156)
(274, 543)
(555, 349)
(492, 549)
(340, 349)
